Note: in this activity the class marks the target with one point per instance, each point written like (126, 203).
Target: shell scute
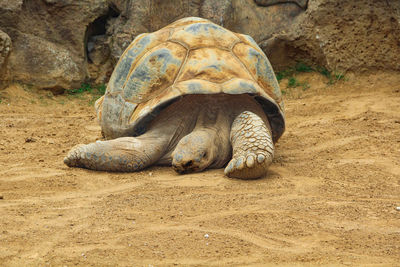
(247, 39)
(260, 68)
(204, 35)
(140, 45)
(154, 72)
(187, 21)
(212, 64)
(113, 106)
(241, 86)
(198, 87)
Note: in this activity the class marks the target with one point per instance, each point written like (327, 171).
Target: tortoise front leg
(125, 154)
(253, 148)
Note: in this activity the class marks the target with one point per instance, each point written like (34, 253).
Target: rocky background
(59, 44)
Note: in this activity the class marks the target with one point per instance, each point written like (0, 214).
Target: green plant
(95, 91)
(332, 77)
(283, 74)
(302, 67)
(324, 72)
(339, 76)
(288, 73)
(102, 89)
(305, 85)
(85, 87)
(293, 82)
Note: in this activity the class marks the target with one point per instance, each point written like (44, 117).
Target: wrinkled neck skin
(198, 130)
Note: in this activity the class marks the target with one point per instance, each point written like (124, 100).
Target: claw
(250, 161)
(240, 163)
(229, 168)
(260, 158)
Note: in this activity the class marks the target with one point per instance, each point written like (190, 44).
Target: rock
(7, 5)
(5, 49)
(260, 22)
(43, 63)
(341, 35)
(99, 63)
(48, 37)
(219, 12)
(300, 3)
(59, 44)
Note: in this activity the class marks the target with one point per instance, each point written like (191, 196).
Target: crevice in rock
(300, 3)
(97, 29)
(97, 50)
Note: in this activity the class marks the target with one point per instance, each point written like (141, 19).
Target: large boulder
(341, 35)
(48, 39)
(5, 48)
(59, 44)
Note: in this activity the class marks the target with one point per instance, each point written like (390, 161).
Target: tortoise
(193, 95)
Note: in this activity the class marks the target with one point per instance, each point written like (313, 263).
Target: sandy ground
(330, 196)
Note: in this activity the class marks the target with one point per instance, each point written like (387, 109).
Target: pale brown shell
(189, 56)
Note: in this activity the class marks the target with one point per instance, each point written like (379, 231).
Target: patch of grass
(305, 85)
(284, 74)
(102, 89)
(293, 82)
(87, 92)
(85, 87)
(96, 91)
(325, 72)
(288, 73)
(88, 88)
(93, 99)
(301, 67)
(339, 76)
(332, 77)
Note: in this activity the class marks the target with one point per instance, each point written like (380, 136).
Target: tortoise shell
(190, 56)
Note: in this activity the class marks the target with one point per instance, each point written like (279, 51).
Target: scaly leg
(125, 154)
(253, 148)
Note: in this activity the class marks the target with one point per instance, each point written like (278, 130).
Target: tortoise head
(194, 152)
